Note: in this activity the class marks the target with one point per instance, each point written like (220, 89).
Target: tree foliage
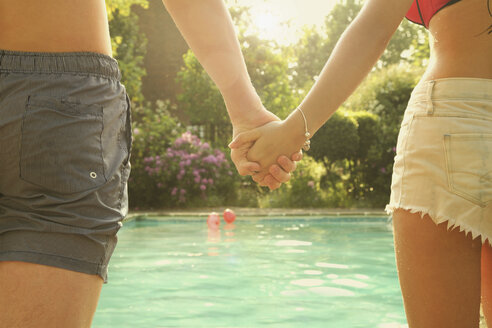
(336, 142)
(352, 155)
(201, 100)
(129, 49)
(154, 130)
(340, 17)
(406, 36)
(357, 144)
(123, 6)
(337, 139)
(384, 94)
(408, 44)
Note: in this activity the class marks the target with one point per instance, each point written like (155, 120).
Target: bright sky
(283, 20)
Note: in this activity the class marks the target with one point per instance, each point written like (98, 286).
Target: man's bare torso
(54, 26)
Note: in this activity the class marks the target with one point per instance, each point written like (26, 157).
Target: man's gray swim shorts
(65, 139)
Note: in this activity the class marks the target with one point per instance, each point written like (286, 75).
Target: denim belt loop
(430, 106)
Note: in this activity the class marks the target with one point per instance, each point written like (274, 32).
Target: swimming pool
(259, 272)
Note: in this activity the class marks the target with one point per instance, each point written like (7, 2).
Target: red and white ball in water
(213, 220)
(229, 216)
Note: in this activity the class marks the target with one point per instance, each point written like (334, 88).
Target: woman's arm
(207, 28)
(355, 54)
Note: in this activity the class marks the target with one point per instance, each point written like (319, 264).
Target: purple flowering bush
(174, 168)
(191, 173)
(154, 130)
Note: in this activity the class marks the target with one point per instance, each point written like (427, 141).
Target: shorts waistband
(457, 96)
(453, 88)
(59, 62)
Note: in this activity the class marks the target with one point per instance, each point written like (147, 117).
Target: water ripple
(293, 243)
(330, 291)
(307, 282)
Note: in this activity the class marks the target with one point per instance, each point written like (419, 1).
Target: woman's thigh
(487, 282)
(439, 272)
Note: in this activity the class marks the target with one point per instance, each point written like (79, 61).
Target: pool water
(258, 272)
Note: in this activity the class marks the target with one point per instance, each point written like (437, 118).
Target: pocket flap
(61, 144)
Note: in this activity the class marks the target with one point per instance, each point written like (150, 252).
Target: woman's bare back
(460, 43)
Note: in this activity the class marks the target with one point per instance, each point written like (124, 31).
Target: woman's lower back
(461, 45)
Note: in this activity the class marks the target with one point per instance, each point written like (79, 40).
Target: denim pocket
(469, 166)
(61, 148)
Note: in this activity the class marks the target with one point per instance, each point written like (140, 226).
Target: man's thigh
(34, 295)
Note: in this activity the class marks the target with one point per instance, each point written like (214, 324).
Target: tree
(385, 94)
(337, 21)
(129, 49)
(310, 58)
(335, 144)
(270, 74)
(407, 36)
(314, 47)
(128, 44)
(154, 130)
(164, 52)
(201, 100)
(419, 51)
(360, 182)
(123, 6)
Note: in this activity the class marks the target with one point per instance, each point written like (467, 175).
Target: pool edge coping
(255, 212)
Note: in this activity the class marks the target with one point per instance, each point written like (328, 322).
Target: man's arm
(207, 27)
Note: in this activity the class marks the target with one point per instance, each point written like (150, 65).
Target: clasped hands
(261, 151)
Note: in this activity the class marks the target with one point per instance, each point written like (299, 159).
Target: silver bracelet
(307, 143)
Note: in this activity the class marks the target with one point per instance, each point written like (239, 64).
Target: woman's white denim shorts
(443, 162)
(65, 138)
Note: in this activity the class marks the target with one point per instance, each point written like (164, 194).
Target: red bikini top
(422, 11)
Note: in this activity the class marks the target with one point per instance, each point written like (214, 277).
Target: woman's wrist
(297, 127)
(307, 134)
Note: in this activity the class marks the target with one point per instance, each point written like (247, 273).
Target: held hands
(266, 144)
(274, 175)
